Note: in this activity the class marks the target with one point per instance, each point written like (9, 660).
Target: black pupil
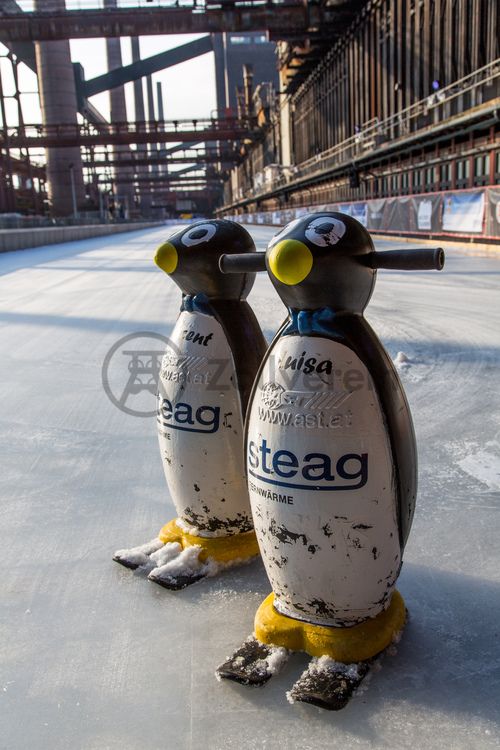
(324, 228)
(198, 234)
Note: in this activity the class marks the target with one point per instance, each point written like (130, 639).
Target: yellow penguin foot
(177, 558)
(347, 645)
(342, 657)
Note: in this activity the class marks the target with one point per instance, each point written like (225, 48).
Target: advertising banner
(463, 212)
(345, 208)
(468, 212)
(359, 211)
(396, 217)
(493, 218)
(375, 211)
(426, 213)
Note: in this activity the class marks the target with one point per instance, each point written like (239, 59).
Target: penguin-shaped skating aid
(205, 381)
(331, 463)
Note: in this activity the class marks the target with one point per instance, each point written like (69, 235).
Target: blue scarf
(196, 303)
(306, 322)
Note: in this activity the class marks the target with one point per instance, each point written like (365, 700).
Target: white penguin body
(200, 429)
(331, 463)
(321, 481)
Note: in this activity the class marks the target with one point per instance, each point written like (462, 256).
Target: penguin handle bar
(420, 259)
(405, 260)
(243, 263)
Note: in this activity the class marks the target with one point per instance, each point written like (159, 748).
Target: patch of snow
(276, 659)
(484, 465)
(165, 554)
(139, 555)
(176, 562)
(402, 360)
(326, 664)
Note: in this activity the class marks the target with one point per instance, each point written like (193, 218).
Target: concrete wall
(21, 239)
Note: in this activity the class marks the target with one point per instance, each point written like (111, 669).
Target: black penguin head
(191, 258)
(317, 261)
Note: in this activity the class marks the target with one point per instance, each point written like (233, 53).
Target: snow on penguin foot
(140, 556)
(178, 568)
(254, 663)
(178, 557)
(327, 683)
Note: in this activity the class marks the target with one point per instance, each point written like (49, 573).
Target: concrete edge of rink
(23, 239)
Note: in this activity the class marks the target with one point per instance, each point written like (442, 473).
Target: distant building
(232, 52)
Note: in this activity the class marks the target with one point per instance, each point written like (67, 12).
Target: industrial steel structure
(392, 110)
(137, 159)
(372, 107)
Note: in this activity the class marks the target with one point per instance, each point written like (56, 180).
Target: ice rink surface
(94, 657)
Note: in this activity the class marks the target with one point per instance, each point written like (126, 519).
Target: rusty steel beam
(21, 167)
(192, 131)
(163, 181)
(228, 161)
(292, 17)
(147, 66)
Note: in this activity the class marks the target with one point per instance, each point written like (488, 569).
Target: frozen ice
(80, 478)
(484, 464)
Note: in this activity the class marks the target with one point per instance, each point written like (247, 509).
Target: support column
(140, 116)
(124, 188)
(162, 167)
(56, 85)
(153, 149)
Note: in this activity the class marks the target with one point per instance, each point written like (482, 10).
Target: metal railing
(28, 6)
(400, 125)
(374, 134)
(153, 131)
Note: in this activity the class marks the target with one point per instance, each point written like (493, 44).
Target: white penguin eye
(325, 231)
(196, 235)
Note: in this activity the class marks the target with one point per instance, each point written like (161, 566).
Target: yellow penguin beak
(290, 261)
(166, 257)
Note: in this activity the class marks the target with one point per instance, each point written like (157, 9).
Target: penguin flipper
(253, 663)
(328, 684)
